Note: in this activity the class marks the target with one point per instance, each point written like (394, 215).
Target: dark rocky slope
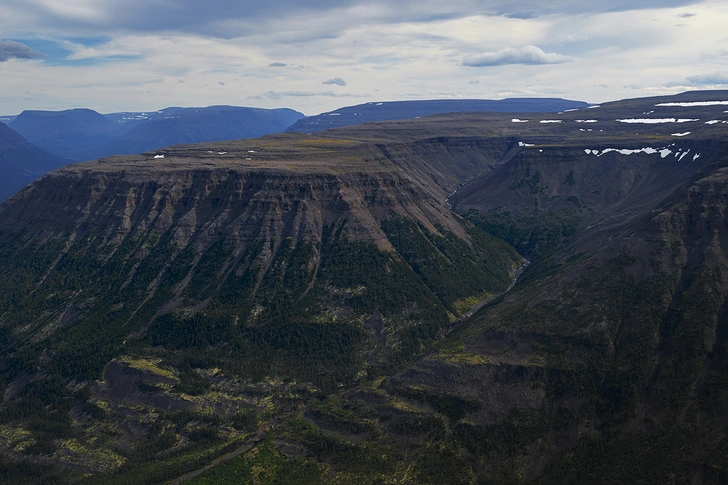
(287, 264)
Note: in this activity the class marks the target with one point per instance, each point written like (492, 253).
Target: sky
(319, 55)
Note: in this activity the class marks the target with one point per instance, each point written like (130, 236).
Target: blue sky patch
(58, 52)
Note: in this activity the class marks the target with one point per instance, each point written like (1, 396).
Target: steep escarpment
(605, 364)
(204, 280)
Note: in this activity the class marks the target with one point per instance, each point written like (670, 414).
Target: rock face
(339, 294)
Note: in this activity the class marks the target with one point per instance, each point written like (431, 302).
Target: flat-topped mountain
(348, 306)
(398, 110)
(68, 133)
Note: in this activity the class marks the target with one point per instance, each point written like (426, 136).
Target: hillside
(340, 307)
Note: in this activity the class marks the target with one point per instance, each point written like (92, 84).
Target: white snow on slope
(664, 152)
(656, 120)
(516, 120)
(550, 121)
(681, 134)
(694, 103)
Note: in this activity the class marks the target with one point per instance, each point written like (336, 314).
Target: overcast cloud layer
(148, 54)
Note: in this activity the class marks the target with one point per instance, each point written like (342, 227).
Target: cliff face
(287, 259)
(156, 310)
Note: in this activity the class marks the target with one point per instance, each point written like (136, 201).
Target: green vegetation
(310, 314)
(263, 465)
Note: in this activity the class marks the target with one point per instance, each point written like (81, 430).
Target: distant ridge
(21, 162)
(175, 126)
(398, 110)
(68, 133)
(84, 134)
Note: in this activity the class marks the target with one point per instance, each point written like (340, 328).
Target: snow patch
(656, 120)
(158, 156)
(663, 152)
(551, 121)
(586, 121)
(695, 103)
(522, 144)
(681, 134)
(516, 120)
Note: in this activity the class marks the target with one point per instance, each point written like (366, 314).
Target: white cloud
(715, 78)
(529, 54)
(309, 94)
(131, 55)
(335, 80)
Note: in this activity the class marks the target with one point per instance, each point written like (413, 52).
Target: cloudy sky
(318, 55)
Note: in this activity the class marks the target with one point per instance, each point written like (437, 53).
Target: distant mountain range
(84, 134)
(398, 110)
(56, 138)
(22, 162)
